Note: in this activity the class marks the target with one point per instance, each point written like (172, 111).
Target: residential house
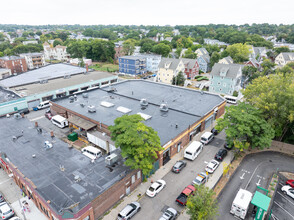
(253, 62)
(226, 60)
(14, 63)
(258, 52)
(55, 53)
(34, 60)
(168, 68)
(152, 62)
(133, 65)
(191, 67)
(225, 78)
(169, 39)
(203, 59)
(201, 52)
(77, 61)
(214, 42)
(30, 42)
(283, 58)
(176, 32)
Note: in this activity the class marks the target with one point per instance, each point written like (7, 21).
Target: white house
(34, 60)
(283, 58)
(55, 53)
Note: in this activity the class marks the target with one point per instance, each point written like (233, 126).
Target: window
(220, 89)
(138, 175)
(218, 83)
(133, 179)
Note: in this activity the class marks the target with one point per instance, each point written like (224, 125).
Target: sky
(147, 12)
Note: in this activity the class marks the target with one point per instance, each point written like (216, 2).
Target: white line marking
(253, 173)
(284, 209)
(5, 181)
(258, 183)
(285, 198)
(242, 177)
(34, 119)
(275, 217)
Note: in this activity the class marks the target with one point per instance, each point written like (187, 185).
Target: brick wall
(16, 66)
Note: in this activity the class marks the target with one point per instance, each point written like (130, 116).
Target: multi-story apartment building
(152, 62)
(118, 50)
(133, 65)
(34, 60)
(14, 63)
(55, 53)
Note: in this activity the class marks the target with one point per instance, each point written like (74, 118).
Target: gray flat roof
(44, 171)
(45, 73)
(6, 96)
(186, 106)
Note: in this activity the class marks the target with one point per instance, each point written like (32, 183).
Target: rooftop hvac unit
(71, 99)
(91, 108)
(85, 95)
(163, 107)
(17, 116)
(143, 102)
(75, 97)
(82, 105)
(111, 159)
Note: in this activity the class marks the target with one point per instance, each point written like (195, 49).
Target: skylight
(123, 109)
(145, 116)
(106, 104)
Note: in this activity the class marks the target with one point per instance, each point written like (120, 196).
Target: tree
(190, 54)
(178, 80)
(57, 42)
(273, 95)
(245, 127)
(238, 52)
(39, 33)
(267, 67)
(138, 142)
(250, 73)
(215, 57)
(203, 205)
(279, 50)
(129, 46)
(161, 49)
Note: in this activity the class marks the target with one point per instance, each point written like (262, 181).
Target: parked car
(200, 179)
(48, 115)
(129, 211)
(24, 111)
(6, 211)
(211, 166)
(182, 198)
(207, 137)
(214, 131)
(15, 218)
(179, 165)
(290, 183)
(155, 188)
(169, 214)
(288, 190)
(221, 154)
(2, 199)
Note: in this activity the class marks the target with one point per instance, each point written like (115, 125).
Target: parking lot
(283, 205)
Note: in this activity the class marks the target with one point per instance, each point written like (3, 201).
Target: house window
(218, 83)
(138, 175)
(220, 89)
(133, 179)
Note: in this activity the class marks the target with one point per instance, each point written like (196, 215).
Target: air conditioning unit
(143, 102)
(163, 107)
(85, 95)
(91, 108)
(111, 159)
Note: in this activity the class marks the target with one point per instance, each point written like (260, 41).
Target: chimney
(36, 124)
(107, 147)
(52, 134)
(87, 68)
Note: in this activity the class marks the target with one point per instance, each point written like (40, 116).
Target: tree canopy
(138, 142)
(239, 52)
(178, 80)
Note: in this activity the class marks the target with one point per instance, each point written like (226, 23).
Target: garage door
(33, 103)
(208, 122)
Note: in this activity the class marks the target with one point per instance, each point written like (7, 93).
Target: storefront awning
(260, 200)
(82, 123)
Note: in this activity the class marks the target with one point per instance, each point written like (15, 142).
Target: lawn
(105, 67)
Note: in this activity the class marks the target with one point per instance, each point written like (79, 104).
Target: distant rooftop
(80, 182)
(186, 106)
(31, 54)
(10, 58)
(6, 96)
(45, 73)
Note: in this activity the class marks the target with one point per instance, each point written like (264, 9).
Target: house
(168, 68)
(204, 62)
(201, 52)
(133, 65)
(191, 67)
(283, 58)
(152, 62)
(214, 42)
(169, 39)
(253, 62)
(14, 63)
(225, 78)
(56, 53)
(4, 73)
(34, 60)
(226, 60)
(30, 42)
(77, 61)
(258, 52)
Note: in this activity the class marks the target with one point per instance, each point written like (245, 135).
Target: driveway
(255, 169)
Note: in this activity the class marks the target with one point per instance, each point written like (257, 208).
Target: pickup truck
(182, 198)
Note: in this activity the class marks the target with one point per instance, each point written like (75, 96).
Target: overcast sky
(147, 12)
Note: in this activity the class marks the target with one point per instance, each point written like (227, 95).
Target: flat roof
(59, 83)
(80, 182)
(45, 73)
(186, 106)
(6, 96)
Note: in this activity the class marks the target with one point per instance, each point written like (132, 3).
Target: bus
(231, 99)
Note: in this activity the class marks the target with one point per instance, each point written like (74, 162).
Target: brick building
(14, 63)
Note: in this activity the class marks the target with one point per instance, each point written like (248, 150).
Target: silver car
(5, 211)
(169, 214)
(129, 211)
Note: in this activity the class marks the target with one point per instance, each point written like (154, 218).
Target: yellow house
(169, 68)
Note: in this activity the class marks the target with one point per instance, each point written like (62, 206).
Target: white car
(211, 166)
(288, 190)
(169, 214)
(155, 188)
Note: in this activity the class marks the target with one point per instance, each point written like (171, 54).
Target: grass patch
(273, 188)
(105, 67)
(202, 78)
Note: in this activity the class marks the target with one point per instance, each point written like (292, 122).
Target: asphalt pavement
(255, 170)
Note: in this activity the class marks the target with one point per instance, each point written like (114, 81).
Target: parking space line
(284, 209)
(35, 119)
(275, 217)
(4, 181)
(285, 198)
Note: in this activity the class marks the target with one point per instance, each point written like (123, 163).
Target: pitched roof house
(191, 67)
(283, 58)
(168, 68)
(226, 60)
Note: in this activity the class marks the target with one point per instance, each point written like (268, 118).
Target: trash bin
(73, 136)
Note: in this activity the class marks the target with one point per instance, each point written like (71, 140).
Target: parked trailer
(241, 203)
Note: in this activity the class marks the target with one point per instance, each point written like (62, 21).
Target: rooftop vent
(67, 76)
(85, 95)
(82, 105)
(17, 116)
(91, 108)
(43, 81)
(75, 97)
(112, 89)
(47, 145)
(163, 107)
(143, 102)
(106, 104)
(71, 99)
(145, 116)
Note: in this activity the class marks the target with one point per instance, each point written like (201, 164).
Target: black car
(24, 111)
(214, 131)
(227, 146)
(179, 165)
(221, 154)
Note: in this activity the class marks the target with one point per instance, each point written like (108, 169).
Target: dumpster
(73, 136)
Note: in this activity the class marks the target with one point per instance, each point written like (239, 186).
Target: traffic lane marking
(284, 209)
(35, 119)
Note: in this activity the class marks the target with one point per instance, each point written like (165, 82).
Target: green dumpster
(73, 136)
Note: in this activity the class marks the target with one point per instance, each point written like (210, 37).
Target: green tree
(245, 127)
(190, 54)
(203, 205)
(161, 49)
(138, 142)
(267, 67)
(273, 95)
(250, 73)
(129, 46)
(215, 57)
(179, 80)
(1, 54)
(239, 52)
(39, 33)
(279, 50)
(57, 42)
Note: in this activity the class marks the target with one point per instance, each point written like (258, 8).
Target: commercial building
(14, 63)
(176, 113)
(34, 60)
(132, 65)
(61, 181)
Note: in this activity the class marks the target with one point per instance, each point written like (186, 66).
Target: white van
(59, 121)
(206, 137)
(193, 150)
(42, 105)
(231, 99)
(92, 152)
(241, 203)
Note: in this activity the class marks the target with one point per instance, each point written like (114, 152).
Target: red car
(48, 115)
(182, 198)
(290, 183)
